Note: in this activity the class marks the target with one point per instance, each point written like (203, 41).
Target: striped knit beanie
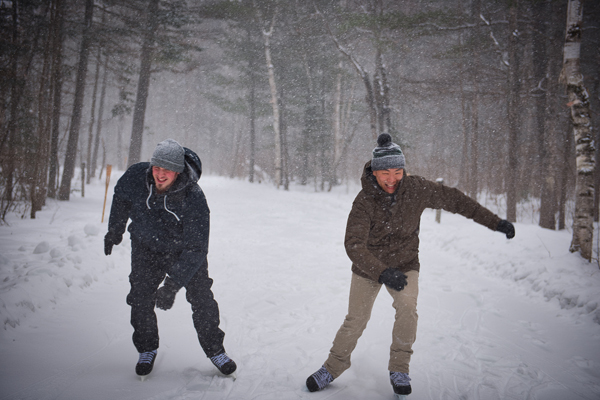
(387, 155)
(169, 155)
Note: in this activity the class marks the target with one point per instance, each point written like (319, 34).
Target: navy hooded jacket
(177, 221)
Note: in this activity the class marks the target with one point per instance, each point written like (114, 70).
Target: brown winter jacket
(383, 229)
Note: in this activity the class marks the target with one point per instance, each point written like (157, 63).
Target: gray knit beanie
(387, 155)
(169, 155)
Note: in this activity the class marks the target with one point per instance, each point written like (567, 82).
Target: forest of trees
(487, 95)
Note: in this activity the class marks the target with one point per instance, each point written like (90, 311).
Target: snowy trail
(499, 319)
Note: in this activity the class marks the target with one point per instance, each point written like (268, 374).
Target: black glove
(165, 295)
(110, 239)
(393, 278)
(506, 227)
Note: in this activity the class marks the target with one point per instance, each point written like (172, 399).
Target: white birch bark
(362, 73)
(583, 221)
(274, 94)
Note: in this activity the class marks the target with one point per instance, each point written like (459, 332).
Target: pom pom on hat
(387, 154)
(384, 140)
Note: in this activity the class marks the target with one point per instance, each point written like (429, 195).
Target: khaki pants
(363, 293)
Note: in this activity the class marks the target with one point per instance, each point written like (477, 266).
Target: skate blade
(143, 377)
(401, 397)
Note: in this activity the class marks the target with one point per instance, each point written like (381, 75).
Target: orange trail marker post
(108, 170)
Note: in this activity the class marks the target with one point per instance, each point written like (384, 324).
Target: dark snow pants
(148, 269)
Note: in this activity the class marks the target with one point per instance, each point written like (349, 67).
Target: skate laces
(322, 377)
(400, 378)
(220, 359)
(147, 357)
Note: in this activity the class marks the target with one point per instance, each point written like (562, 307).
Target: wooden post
(108, 170)
(438, 212)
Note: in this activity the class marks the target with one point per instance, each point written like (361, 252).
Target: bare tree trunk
(274, 94)
(464, 181)
(513, 110)
(15, 95)
(285, 172)
(364, 76)
(474, 165)
(473, 179)
(252, 101)
(139, 109)
(103, 159)
(38, 180)
(93, 114)
(565, 176)
(236, 142)
(583, 221)
(252, 131)
(57, 37)
(337, 123)
(597, 170)
(92, 167)
(595, 104)
(121, 162)
(463, 177)
(309, 125)
(557, 124)
(380, 82)
(345, 138)
(544, 138)
(69, 166)
(382, 95)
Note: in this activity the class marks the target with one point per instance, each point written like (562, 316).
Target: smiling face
(163, 178)
(389, 179)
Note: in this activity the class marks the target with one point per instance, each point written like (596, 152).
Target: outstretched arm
(455, 201)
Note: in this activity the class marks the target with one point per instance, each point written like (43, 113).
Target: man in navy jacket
(169, 231)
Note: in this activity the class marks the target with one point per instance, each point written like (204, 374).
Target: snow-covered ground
(499, 319)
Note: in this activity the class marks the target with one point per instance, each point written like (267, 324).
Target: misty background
(295, 93)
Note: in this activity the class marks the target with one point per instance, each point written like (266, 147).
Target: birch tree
(579, 104)
(267, 35)
(377, 91)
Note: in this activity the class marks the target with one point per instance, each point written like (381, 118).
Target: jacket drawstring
(170, 210)
(148, 199)
(165, 204)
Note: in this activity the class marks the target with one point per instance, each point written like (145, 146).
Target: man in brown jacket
(382, 241)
